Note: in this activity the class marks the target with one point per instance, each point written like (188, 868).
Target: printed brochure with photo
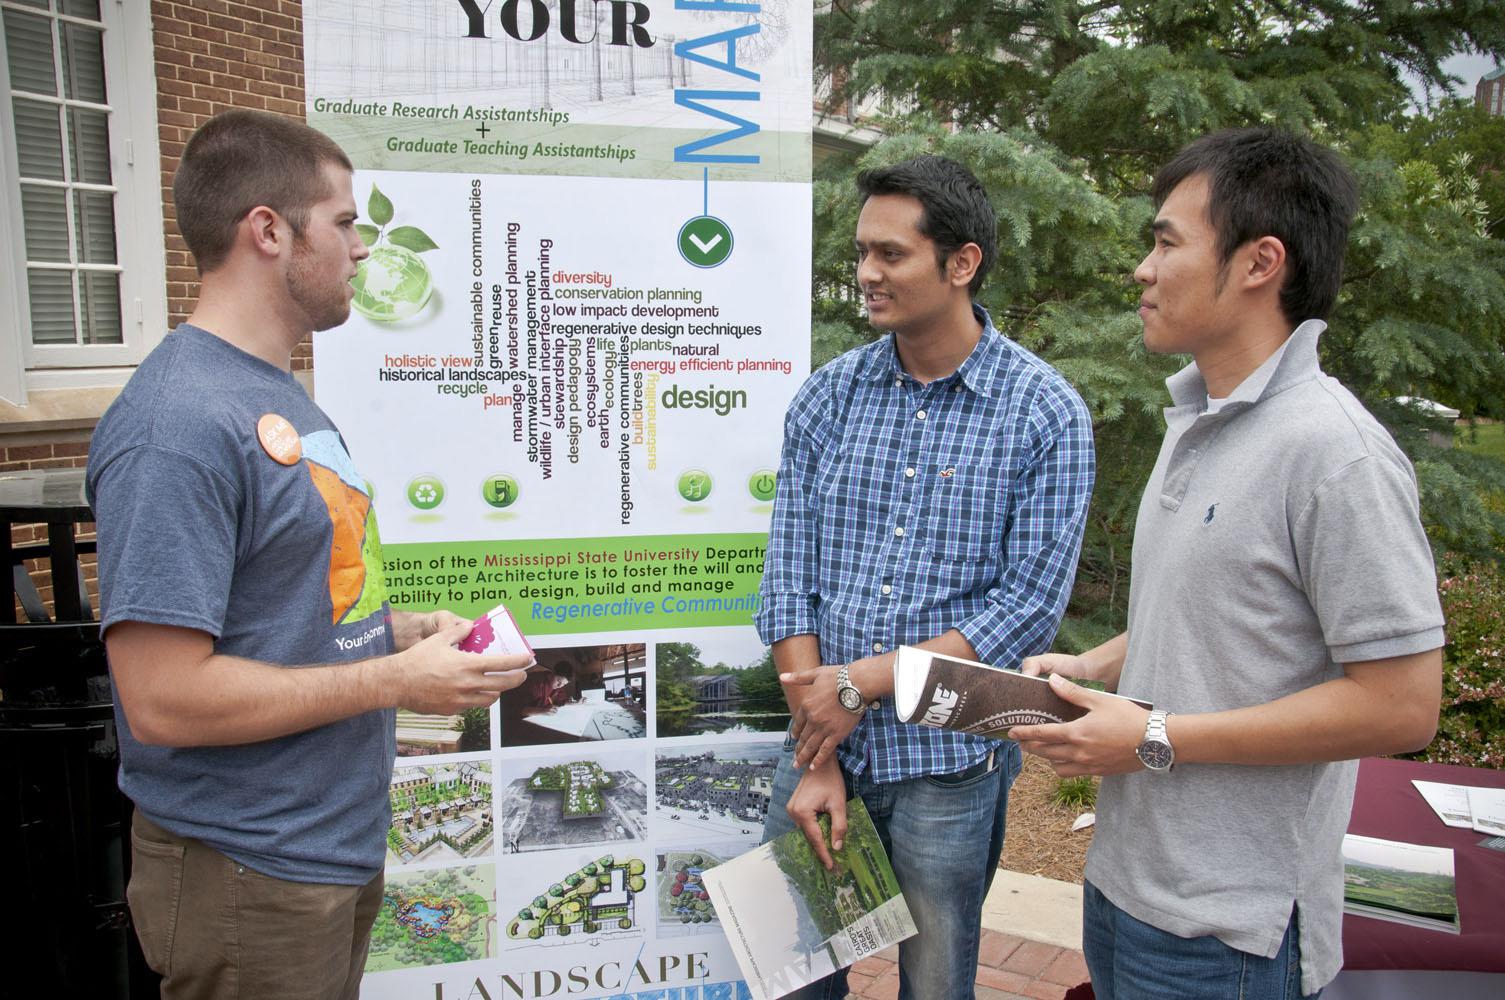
(950, 693)
(1409, 884)
(790, 921)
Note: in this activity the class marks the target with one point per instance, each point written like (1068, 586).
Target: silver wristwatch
(1155, 751)
(850, 698)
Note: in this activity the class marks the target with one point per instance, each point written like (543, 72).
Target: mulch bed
(1040, 841)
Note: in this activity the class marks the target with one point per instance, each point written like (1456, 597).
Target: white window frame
(135, 172)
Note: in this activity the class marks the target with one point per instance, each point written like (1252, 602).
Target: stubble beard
(325, 307)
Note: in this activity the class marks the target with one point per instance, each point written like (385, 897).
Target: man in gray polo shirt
(1283, 611)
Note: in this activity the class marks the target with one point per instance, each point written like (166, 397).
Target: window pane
(39, 140)
(51, 306)
(44, 217)
(28, 47)
(94, 213)
(101, 311)
(89, 144)
(83, 63)
(81, 8)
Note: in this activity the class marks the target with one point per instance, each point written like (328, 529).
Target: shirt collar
(982, 372)
(1295, 361)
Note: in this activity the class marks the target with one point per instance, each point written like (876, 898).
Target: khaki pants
(216, 929)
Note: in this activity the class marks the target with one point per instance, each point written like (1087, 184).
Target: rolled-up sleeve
(790, 594)
(1048, 513)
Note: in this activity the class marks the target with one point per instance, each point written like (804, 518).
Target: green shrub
(1471, 730)
(1076, 793)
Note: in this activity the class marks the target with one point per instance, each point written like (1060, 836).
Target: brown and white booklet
(951, 693)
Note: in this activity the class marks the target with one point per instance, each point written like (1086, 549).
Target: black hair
(1269, 182)
(956, 210)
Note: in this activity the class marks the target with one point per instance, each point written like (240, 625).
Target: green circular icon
(761, 484)
(391, 284)
(694, 485)
(425, 492)
(499, 490)
(705, 241)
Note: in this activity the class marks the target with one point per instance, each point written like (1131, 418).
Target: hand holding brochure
(496, 634)
(790, 922)
(950, 693)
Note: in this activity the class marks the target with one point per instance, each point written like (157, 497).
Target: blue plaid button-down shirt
(904, 510)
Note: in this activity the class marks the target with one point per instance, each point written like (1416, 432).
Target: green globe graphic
(391, 284)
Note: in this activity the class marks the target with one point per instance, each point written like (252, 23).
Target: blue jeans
(1131, 960)
(944, 835)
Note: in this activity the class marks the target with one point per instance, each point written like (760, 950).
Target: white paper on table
(1488, 807)
(1449, 802)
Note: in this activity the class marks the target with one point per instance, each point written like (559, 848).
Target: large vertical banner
(585, 311)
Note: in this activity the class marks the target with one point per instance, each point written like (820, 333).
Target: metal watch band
(843, 682)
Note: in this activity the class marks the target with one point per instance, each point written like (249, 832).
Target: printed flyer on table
(585, 310)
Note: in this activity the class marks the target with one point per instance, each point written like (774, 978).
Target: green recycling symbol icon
(705, 241)
(425, 492)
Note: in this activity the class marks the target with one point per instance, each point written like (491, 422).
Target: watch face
(850, 698)
(1155, 756)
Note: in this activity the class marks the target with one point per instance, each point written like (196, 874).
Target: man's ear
(265, 230)
(962, 265)
(1262, 261)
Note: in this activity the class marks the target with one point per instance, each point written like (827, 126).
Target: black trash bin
(64, 825)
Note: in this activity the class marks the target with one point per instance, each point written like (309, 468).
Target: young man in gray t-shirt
(255, 659)
(1283, 609)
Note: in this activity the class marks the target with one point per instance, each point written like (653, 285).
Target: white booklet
(1409, 884)
(1488, 808)
(1449, 802)
(790, 922)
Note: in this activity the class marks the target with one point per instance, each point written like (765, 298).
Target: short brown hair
(238, 160)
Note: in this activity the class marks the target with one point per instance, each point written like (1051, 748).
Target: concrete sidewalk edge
(1035, 908)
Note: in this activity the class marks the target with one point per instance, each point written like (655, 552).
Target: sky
(736, 647)
(1470, 67)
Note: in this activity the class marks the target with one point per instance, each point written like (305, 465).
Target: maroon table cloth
(1387, 805)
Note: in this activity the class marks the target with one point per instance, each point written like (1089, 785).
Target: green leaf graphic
(368, 233)
(379, 208)
(412, 238)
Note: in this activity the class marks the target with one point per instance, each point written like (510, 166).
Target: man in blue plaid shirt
(932, 491)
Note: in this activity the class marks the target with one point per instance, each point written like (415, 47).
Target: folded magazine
(791, 922)
(951, 693)
(1409, 884)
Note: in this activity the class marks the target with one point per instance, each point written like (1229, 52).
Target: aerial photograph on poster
(583, 798)
(435, 918)
(713, 790)
(440, 812)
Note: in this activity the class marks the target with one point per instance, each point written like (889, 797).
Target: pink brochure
(496, 633)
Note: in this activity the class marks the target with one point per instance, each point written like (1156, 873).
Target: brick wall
(210, 55)
(213, 55)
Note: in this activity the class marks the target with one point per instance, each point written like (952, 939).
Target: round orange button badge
(279, 439)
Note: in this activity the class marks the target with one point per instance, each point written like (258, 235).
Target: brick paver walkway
(1008, 968)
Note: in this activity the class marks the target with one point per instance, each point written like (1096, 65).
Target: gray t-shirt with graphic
(1277, 540)
(272, 549)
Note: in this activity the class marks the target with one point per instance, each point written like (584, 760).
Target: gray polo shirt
(1277, 539)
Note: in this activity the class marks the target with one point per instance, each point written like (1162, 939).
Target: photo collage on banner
(584, 313)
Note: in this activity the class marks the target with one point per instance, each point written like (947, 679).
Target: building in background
(1489, 92)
